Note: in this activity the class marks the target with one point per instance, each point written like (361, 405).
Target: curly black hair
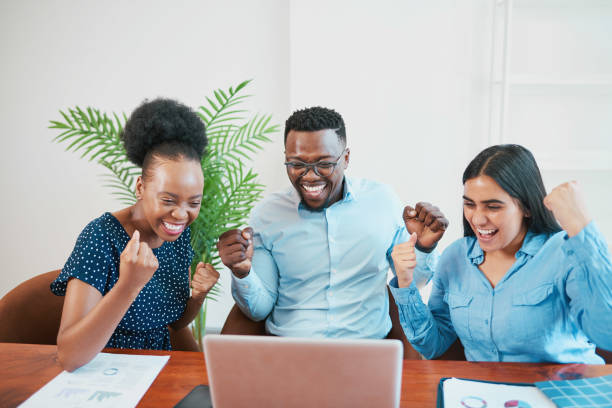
(316, 118)
(163, 128)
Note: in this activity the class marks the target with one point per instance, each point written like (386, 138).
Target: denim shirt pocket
(459, 308)
(531, 310)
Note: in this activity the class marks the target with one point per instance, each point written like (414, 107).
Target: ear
(347, 155)
(139, 188)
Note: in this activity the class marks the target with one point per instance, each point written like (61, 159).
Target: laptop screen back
(265, 371)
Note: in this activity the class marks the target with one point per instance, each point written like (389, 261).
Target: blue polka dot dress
(95, 260)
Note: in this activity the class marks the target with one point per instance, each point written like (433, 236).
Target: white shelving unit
(551, 81)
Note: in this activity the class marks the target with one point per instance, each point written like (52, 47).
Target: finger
(431, 216)
(235, 258)
(247, 233)
(237, 247)
(198, 271)
(212, 271)
(413, 239)
(409, 213)
(153, 261)
(423, 210)
(547, 203)
(133, 245)
(231, 237)
(438, 222)
(144, 252)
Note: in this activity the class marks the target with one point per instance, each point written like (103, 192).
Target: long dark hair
(515, 170)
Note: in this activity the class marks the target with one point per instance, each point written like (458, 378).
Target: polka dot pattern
(95, 261)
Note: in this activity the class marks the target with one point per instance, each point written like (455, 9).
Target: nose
(478, 218)
(309, 173)
(179, 213)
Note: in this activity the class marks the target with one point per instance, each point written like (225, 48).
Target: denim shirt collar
(531, 245)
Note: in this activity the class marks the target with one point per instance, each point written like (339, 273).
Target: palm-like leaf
(230, 189)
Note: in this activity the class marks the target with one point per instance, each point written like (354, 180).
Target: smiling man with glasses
(314, 262)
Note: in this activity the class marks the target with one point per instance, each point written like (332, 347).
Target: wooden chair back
(31, 313)
(238, 323)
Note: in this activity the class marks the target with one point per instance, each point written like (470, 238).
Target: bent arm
(89, 320)
(589, 285)
(256, 293)
(427, 328)
(191, 311)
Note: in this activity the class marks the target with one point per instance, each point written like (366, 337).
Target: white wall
(112, 55)
(411, 79)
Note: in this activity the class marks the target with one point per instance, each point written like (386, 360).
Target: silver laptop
(266, 371)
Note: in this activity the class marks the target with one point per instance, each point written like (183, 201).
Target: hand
(567, 205)
(427, 221)
(236, 250)
(203, 280)
(404, 261)
(137, 263)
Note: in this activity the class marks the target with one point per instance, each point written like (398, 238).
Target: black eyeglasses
(323, 168)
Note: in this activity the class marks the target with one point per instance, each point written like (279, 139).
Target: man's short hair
(316, 118)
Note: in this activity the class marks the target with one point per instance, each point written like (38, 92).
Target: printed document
(109, 380)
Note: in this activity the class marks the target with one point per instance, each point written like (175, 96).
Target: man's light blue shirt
(551, 305)
(324, 273)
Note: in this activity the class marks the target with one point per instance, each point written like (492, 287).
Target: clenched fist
(427, 221)
(137, 263)
(404, 261)
(236, 250)
(203, 280)
(567, 205)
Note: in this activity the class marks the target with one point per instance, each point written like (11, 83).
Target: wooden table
(25, 368)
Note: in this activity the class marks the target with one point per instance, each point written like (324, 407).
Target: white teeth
(486, 232)
(173, 227)
(313, 189)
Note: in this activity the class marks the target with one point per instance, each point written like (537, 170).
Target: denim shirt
(550, 306)
(324, 273)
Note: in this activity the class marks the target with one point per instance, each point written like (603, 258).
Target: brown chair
(238, 323)
(605, 354)
(31, 313)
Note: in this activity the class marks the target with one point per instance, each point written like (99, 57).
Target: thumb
(413, 239)
(134, 243)
(408, 215)
(247, 233)
(546, 202)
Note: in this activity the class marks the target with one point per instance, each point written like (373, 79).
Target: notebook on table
(585, 392)
(266, 371)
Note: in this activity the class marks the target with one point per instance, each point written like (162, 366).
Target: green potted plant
(231, 188)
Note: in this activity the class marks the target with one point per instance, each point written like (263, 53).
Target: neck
(337, 195)
(138, 221)
(510, 250)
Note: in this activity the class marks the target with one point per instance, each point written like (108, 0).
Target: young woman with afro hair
(127, 281)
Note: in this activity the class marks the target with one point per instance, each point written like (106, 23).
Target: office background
(422, 86)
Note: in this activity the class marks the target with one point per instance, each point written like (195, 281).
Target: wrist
(198, 297)
(426, 250)
(403, 282)
(574, 228)
(128, 290)
(240, 274)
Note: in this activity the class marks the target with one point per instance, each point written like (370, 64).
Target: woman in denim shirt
(518, 286)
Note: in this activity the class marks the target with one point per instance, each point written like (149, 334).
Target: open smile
(172, 228)
(313, 192)
(486, 235)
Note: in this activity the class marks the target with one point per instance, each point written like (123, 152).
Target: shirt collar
(348, 194)
(531, 245)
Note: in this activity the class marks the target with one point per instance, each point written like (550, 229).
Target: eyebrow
(491, 201)
(320, 158)
(176, 196)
